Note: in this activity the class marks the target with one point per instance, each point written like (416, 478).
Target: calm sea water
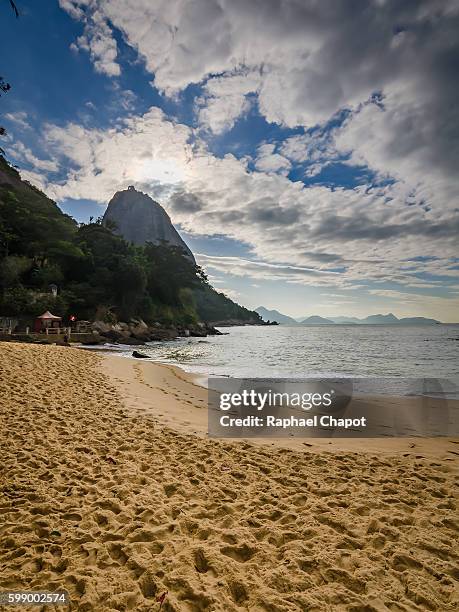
(320, 351)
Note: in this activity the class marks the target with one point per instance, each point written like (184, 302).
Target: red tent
(46, 320)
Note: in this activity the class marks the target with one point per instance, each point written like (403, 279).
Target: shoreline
(101, 497)
(146, 384)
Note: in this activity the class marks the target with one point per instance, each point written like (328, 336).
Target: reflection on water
(321, 351)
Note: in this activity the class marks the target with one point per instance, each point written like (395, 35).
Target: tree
(170, 271)
(4, 86)
(130, 287)
(97, 272)
(11, 270)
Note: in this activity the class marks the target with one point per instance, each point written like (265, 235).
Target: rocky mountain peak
(140, 219)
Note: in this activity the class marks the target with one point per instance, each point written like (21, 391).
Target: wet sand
(111, 490)
(179, 400)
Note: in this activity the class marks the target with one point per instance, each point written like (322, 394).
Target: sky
(306, 150)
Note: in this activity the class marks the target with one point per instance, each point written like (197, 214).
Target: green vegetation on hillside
(214, 306)
(98, 274)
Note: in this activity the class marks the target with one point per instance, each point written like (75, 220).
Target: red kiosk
(46, 321)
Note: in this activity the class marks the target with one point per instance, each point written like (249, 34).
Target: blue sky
(301, 152)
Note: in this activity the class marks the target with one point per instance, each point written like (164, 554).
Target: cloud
(225, 99)
(218, 114)
(315, 149)
(364, 228)
(127, 99)
(22, 153)
(366, 234)
(301, 63)
(269, 161)
(146, 150)
(406, 141)
(267, 212)
(181, 201)
(20, 119)
(370, 84)
(73, 8)
(97, 38)
(238, 266)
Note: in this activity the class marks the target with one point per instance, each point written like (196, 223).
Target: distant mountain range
(316, 320)
(377, 319)
(275, 315)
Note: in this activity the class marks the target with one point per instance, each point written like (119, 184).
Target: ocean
(366, 351)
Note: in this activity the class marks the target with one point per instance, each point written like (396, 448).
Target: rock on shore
(137, 332)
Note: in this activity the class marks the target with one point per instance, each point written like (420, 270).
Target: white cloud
(269, 161)
(302, 62)
(299, 63)
(20, 119)
(366, 234)
(73, 8)
(219, 114)
(224, 100)
(127, 99)
(238, 266)
(383, 138)
(141, 150)
(22, 153)
(316, 149)
(97, 38)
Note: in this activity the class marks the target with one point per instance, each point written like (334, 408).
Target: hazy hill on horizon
(316, 320)
(275, 315)
(376, 319)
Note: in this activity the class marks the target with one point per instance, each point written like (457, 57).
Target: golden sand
(127, 513)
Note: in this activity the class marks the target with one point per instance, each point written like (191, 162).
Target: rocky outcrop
(139, 219)
(137, 332)
(237, 323)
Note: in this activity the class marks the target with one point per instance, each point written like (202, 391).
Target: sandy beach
(111, 490)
